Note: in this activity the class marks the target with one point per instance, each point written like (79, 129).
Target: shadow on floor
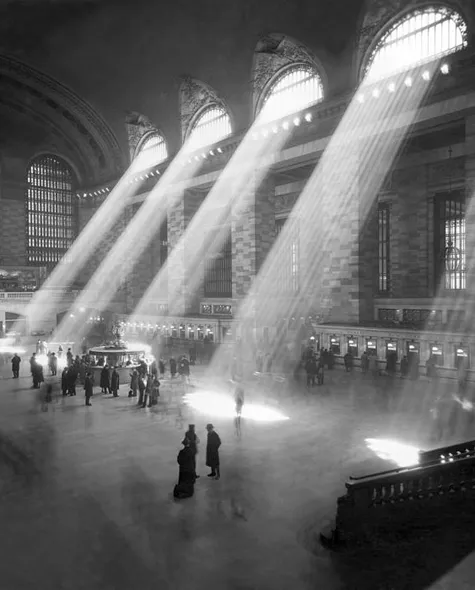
(411, 561)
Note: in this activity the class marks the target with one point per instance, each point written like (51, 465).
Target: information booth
(124, 359)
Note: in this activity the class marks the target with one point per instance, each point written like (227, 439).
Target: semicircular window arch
(295, 89)
(419, 37)
(152, 151)
(51, 210)
(210, 126)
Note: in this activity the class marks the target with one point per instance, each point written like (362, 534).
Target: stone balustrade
(443, 484)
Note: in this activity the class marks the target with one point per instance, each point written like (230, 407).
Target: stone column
(182, 298)
(470, 215)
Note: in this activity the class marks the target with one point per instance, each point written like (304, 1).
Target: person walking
(193, 441)
(212, 451)
(155, 392)
(88, 388)
(115, 380)
(16, 360)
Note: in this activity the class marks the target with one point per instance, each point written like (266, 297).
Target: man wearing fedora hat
(212, 453)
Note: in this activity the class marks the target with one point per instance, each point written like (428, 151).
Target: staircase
(441, 486)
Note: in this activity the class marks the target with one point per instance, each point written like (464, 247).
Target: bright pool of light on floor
(222, 406)
(391, 450)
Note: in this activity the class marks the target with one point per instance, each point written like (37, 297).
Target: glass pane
(420, 37)
(212, 126)
(152, 152)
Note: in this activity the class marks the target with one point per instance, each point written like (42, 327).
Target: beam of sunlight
(391, 450)
(218, 405)
(334, 206)
(65, 272)
(227, 200)
(117, 265)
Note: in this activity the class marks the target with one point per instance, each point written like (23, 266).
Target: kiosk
(123, 357)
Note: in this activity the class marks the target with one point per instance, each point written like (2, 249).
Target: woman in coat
(134, 383)
(212, 453)
(193, 441)
(186, 475)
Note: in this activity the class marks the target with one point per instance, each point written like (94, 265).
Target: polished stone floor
(91, 505)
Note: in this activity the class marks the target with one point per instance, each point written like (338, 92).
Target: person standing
(161, 367)
(105, 380)
(69, 357)
(88, 388)
(193, 441)
(172, 367)
(16, 360)
(64, 381)
(53, 364)
(155, 392)
(212, 451)
(186, 475)
(148, 392)
(141, 384)
(134, 383)
(115, 382)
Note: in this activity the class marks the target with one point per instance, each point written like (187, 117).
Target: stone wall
(12, 212)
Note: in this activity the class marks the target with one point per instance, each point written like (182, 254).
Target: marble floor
(91, 506)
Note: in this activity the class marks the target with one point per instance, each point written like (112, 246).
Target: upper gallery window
(293, 91)
(213, 124)
(51, 210)
(419, 37)
(152, 151)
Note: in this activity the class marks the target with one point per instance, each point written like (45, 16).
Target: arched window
(418, 38)
(211, 126)
(294, 90)
(51, 210)
(152, 151)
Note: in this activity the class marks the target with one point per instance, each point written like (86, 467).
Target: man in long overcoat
(186, 475)
(88, 388)
(212, 452)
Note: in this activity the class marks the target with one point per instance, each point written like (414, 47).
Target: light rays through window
(420, 37)
(213, 125)
(152, 151)
(295, 90)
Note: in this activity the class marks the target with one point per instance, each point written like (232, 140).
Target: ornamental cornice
(273, 53)
(196, 95)
(73, 109)
(137, 127)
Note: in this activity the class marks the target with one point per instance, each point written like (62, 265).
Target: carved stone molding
(137, 126)
(194, 97)
(273, 53)
(68, 112)
(379, 14)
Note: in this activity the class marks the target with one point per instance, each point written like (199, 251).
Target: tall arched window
(152, 151)
(419, 37)
(51, 210)
(212, 125)
(296, 89)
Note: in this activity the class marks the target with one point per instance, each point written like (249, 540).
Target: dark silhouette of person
(212, 452)
(16, 360)
(115, 380)
(186, 475)
(88, 388)
(193, 442)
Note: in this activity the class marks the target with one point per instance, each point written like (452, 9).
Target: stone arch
(380, 15)
(274, 54)
(195, 97)
(139, 128)
(87, 137)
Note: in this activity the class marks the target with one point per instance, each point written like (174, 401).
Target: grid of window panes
(451, 230)
(51, 211)
(289, 268)
(218, 281)
(213, 125)
(152, 151)
(295, 90)
(422, 36)
(383, 247)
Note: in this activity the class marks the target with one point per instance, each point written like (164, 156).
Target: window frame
(290, 267)
(195, 122)
(456, 201)
(277, 79)
(48, 236)
(384, 247)
(218, 266)
(380, 41)
(141, 148)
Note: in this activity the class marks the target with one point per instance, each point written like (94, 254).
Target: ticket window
(191, 333)
(182, 332)
(353, 347)
(371, 346)
(462, 356)
(391, 348)
(174, 332)
(437, 353)
(335, 345)
(200, 333)
(209, 333)
(314, 342)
